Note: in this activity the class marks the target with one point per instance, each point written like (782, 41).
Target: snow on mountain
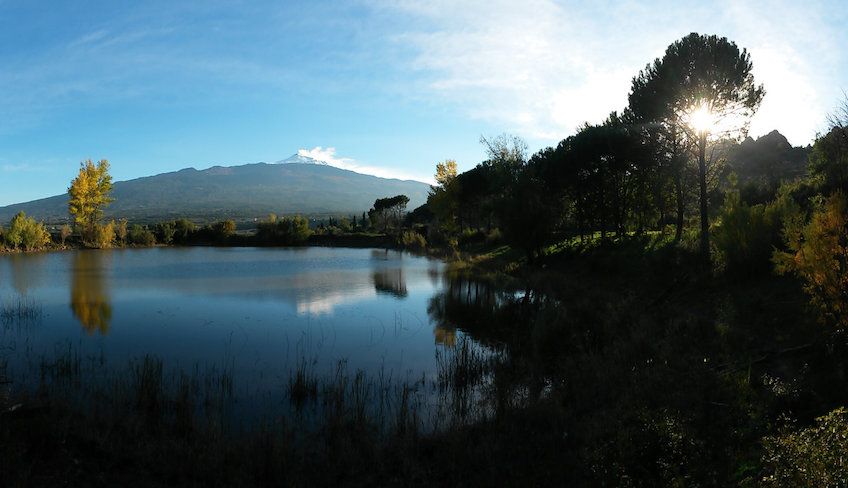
(300, 159)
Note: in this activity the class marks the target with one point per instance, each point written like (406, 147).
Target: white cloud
(515, 64)
(542, 67)
(18, 168)
(795, 55)
(328, 155)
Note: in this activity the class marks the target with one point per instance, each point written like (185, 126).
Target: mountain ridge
(296, 185)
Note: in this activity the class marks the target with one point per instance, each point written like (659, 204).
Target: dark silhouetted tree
(829, 160)
(388, 213)
(704, 87)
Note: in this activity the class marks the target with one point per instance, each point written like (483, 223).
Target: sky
(377, 86)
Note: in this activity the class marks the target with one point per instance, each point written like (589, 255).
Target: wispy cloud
(159, 63)
(19, 168)
(328, 155)
(796, 55)
(541, 67)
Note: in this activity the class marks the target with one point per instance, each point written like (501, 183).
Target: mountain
(768, 160)
(298, 158)
(298, 184)
(761, 165)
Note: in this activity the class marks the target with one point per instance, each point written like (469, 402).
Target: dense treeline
(669, 162)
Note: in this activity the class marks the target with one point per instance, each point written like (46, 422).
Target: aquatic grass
(20, 311)
(302, 386)
(461, 366)
(175, 424)
(182, 425)
(149, 394)
(63, 369)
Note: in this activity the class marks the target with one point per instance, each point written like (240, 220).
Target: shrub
(183, 231)
(345, 225)
(224, 228)
(814, 456)
(141, 236)
(413, 240)
(121, 231)
(746, 236)
(818, 253)
(471, 236)
(64, 233)
(103, 236)
(26, 232)
(286, 231)
(165, 232)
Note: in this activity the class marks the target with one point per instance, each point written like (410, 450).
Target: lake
(261, 311)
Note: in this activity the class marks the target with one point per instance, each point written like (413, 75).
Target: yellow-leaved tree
(445, 172)
(443, 197)
(819, 255)
(89, 195)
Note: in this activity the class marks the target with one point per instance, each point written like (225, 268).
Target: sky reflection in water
(264, 310)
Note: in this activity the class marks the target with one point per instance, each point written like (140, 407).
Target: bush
(121, 231)
(471, 236)
(814, 456)
(141, 236)
(413, 240)
(26, 232)
(345, 225)
(103, 236)
(165, 232)
(818, 253)
(184, 230)
(65, 232)
(287, 231)
(747, 236)
(224, 228)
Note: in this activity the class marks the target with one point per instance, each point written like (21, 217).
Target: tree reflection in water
(90, 301)
(390, 281)
(444, 336)
(474, 307)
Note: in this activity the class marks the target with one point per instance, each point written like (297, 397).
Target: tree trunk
(702, 176)
(678, 189)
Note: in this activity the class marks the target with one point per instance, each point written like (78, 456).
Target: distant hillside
(296, 185)
(768, 160)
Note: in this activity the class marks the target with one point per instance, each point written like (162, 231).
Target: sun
(701, 118)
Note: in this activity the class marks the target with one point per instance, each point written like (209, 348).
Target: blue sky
(379, 86)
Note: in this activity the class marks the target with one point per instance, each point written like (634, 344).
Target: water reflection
(322, 297)
(386, 255)
(474, 307)
(27, 271)
(390, 281)
(445, 336)
(90, 299)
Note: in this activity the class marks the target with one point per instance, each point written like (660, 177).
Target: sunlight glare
(701, 118)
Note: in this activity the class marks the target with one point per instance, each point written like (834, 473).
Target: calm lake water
(263, 311)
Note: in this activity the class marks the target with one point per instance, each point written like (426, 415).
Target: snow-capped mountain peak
(301, 159)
